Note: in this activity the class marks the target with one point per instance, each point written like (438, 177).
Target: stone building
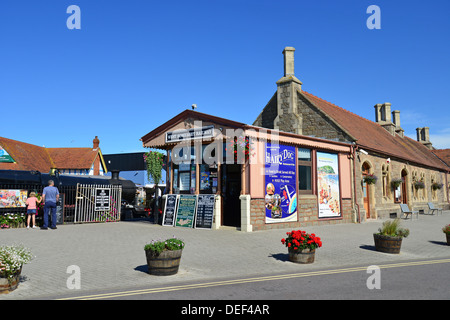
(407, 171)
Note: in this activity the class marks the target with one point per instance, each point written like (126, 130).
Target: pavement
(111, 257)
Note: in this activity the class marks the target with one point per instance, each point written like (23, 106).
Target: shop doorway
(404, 189)
(231, 190)
(366, 189)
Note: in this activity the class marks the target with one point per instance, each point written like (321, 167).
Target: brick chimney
(423, 136)
(288, 119)
(96, 143)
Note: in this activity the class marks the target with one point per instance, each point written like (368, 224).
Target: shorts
(31, 211)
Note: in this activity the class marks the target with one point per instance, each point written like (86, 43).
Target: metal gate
(97, 203)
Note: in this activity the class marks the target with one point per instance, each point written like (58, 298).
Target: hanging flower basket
(396, 183)
(437, 186)
(370, 179)
(419, 185)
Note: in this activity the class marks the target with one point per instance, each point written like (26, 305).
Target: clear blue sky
(137, 63)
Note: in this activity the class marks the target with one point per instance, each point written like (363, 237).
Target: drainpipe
(354, 182)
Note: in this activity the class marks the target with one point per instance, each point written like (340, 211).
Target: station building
(304, 161)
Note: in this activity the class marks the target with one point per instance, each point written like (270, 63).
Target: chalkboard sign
(186, 211)
(205, 211)
(60, 209)
(170, 209)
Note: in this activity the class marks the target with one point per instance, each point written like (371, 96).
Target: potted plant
(396, 182)
(419, 185)
(163, 256)
(370, 178)
(301, 246)
(446, 230)
(389, 236)
(12, 258)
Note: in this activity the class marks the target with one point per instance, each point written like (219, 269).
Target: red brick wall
(307, 214)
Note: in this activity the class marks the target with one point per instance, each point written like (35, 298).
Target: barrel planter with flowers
(389, 237)
(301, 246)
(12, 258)
(164, 256)
(446, 230)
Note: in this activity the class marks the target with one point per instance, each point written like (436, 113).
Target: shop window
(304, 171)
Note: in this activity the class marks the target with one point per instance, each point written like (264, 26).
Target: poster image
(328, 185)
(13, 198)
(280, 183)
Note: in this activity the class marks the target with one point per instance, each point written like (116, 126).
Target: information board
(170, 209)
(186, 211)
(102, 199)
(205, 211)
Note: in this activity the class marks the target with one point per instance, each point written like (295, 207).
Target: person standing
(50, 196)
(31, 210)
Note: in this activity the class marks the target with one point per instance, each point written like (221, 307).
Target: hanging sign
(280, 183)
(170, 209)
(328, 185)
(205, 211)
(5, 157)
(186, 211)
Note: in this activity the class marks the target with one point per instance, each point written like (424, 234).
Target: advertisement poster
(4, 156)
(13, 198)
(328, 185)
(280, 183)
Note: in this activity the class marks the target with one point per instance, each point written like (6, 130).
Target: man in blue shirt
(50, 196)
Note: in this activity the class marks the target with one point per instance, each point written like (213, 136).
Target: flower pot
(302, 256)
(6, 286)
(164, 264)
(448, 238)
(387, 244)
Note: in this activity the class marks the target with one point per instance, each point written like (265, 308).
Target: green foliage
(158, 246)
(154, 161)
(392, 228)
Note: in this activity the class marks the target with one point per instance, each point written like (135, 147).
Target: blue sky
(135, 64)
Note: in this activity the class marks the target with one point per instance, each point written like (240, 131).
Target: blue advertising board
(280, 183)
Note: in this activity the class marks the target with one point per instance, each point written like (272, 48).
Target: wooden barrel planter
(387, 244)
(6, 286)
(304, 256)
(164, 264)
(448, 238)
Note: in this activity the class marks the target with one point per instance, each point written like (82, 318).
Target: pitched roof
(31, 157)
(26, 156)
(443, 154)
(372, 136)
(73, 158)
